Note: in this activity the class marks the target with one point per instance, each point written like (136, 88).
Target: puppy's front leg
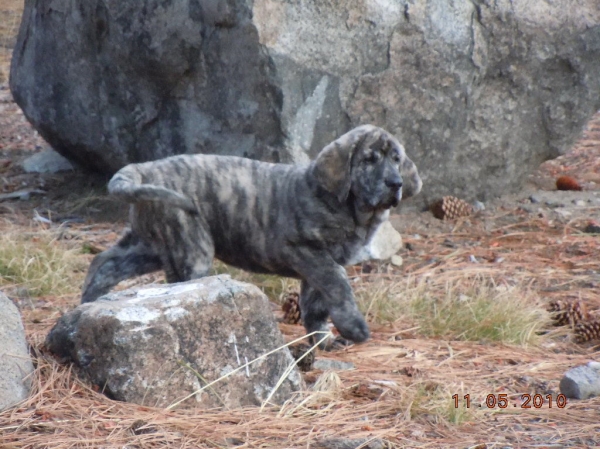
(314, 317)
(326, 291)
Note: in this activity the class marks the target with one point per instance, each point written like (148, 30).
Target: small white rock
(47, 161)
(594, 365)
(478, 206)
(386, 242)
(331, 364)
(397, 260)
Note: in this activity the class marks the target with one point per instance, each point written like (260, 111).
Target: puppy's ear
(332, 166)
(412, 182)
(410, 175)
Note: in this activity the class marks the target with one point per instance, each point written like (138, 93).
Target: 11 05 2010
(502, 400)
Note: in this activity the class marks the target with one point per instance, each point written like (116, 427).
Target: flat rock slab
(159, 344)
(47, 161)
(15, 363)
(334, 365)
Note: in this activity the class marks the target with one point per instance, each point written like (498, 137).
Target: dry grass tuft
(39, 263)
(475, 310)
(10, 18)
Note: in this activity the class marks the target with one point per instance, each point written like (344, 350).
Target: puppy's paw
(357, 331)
(350, 323)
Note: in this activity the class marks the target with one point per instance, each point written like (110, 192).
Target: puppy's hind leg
(191, 252)
(129, 257)
(187, 269)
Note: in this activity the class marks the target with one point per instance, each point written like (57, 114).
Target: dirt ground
(535, 240)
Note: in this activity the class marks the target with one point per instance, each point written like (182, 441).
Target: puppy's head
(371, 164)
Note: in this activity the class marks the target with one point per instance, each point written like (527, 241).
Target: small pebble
(563, 213)
(478, 206)
(396, 260)
(330, 364)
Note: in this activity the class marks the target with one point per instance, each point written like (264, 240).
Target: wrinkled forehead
(383, 142)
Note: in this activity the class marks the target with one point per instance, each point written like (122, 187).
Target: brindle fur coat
(305, 222)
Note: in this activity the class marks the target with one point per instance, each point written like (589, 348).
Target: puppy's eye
(396, 158)
(372, 158)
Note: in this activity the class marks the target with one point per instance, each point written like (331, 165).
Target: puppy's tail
(127, 184)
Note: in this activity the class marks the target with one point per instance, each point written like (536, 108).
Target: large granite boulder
(158, 345)
(480, 92)
(15, 363)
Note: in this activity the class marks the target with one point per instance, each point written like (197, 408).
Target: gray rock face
(479, 92)
(15, 362)
(157, 345)
(581, 382)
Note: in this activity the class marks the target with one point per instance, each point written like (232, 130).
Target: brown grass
(400, 392)
(474, 309)
(40, 261)
(10, 18)
(374, 401)
(402, 388)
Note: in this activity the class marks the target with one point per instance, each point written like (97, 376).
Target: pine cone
(291, 308)
(587, 331)
(298, 351)
(450, 207)
(567, 183)
(568, 312)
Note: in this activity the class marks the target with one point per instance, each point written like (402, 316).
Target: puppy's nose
(394, 183)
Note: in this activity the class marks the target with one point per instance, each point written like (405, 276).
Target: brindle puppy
(303, 222)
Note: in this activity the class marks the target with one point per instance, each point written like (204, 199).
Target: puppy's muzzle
(394, 184)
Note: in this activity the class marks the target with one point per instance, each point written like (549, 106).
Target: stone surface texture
(15, 362)
(46, 161)
(156, 345)
(479, 91)
(581, 382)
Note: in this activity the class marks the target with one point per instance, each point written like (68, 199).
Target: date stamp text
(503, 401)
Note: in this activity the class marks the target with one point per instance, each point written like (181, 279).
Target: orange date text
(503, 401)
